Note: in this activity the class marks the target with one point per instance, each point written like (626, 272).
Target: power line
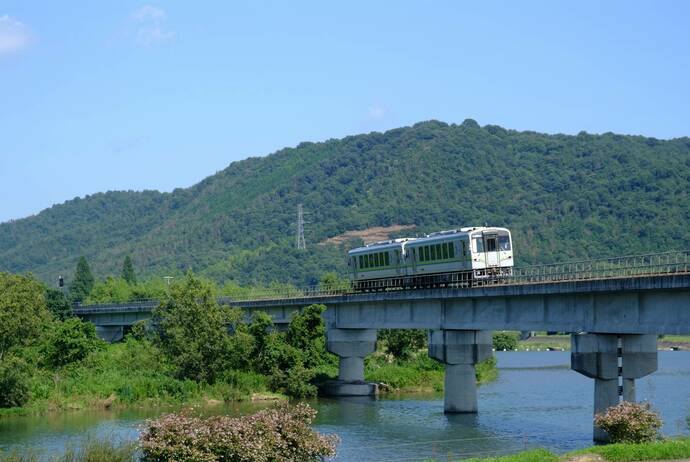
(300, 243)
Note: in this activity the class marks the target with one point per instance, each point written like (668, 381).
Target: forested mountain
(563, 196)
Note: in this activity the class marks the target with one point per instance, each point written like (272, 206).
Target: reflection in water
(537, 401)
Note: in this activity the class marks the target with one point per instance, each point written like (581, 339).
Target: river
(537, 401)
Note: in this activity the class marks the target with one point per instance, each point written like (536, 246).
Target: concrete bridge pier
(614, 362)
(460, 350)
(351, 346)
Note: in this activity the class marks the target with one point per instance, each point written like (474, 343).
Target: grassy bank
(672, 449)
(133, 374)
(90, 450)
(130, 373)
(417, 374)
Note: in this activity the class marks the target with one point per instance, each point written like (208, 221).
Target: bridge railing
(653, 264)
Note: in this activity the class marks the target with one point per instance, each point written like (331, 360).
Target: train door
(491, 249)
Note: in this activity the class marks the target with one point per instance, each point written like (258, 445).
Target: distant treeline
(563, 196)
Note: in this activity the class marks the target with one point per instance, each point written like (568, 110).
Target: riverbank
(542, 342)
(666, 450)
(131, 374)
(417, 374)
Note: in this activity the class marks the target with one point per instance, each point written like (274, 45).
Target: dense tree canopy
(23, 312)
(563, 196)
(82, 282)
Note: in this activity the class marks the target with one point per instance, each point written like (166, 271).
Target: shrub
(505, 341)
(14, 382)
(71, 341)
(402, 343)
(279, 434)
(629, 423)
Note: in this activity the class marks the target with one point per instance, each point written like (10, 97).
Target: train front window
(504, 243)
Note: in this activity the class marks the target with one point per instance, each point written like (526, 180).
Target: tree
(128, 271)
(193, 330)
(14, 382)
(306, 332)
(110, 290)
(23, 312)
(71, 341)
(402, 343)
(83, 281)
(58, 304)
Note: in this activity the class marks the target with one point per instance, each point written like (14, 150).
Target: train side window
(479, 244)
(387, 258)
(361, 263)
(464, 248)
(444, 248)
(426, 253)
(433, 252)
(439, 252)
(376, 259)
(370, 257)
(451, 250)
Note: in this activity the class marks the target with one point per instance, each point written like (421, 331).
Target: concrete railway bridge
(614, 309)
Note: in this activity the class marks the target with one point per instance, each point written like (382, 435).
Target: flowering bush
(629, 423)
(281, 434)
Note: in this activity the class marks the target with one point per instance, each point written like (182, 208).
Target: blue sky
(98, 96)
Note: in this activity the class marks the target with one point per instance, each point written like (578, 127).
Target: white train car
(454, 257)
(378, 265)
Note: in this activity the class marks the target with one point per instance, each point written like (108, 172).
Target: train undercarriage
(458, 279)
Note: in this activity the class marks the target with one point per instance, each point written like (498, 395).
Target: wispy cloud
(14, 35)
(376, 112)
(150, 25)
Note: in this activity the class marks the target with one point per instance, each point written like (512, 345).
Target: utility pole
(300, 228)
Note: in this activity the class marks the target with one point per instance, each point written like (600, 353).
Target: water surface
(537, 401)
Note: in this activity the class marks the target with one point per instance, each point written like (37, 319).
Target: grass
(658, 450)
(670, 449)
(535, 455)
(90, 450)
(417, 374)
(130, 373)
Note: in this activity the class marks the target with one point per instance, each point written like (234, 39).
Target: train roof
(437, 236)
(382, 245)
(441, 235)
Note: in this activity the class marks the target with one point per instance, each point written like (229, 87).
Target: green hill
(563, 196)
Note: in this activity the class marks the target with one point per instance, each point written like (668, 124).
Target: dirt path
(369, 235)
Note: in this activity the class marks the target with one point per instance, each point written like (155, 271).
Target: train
(453, 258)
